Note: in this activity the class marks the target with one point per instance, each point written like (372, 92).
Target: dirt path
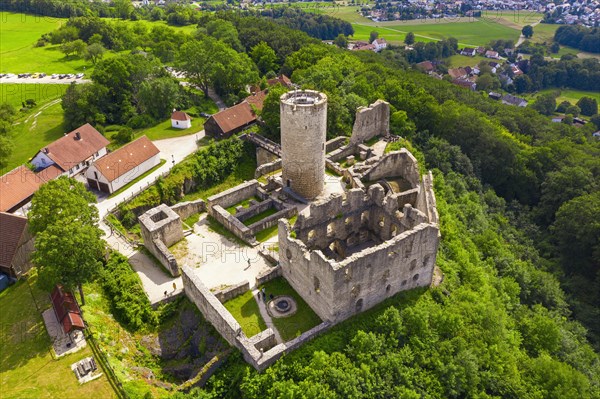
(262, 307)
(42, 108)
(522, 38)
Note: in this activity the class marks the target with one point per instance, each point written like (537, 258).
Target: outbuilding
(180, 120)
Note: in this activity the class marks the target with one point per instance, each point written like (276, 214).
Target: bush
(140, 121)
(123, 288)
(124, 135)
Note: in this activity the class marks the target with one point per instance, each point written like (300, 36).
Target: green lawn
(475, 33)
(192, 220)
(567, 95)
(260, 216)
(31, 132)
(245, 310)
(512, 18)
(458, 60)
(245, 203)
(303, 320)
(164, 130)
(27, 368)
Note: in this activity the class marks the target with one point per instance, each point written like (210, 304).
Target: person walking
(264, 294)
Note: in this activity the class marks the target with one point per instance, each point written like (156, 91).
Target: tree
(588, 106)
(341, 41)
(401, 125)
(527, 31)
(264, 57)
(595, 119)
(573, 110)
(270, 113)
(555, 47)
(562, 107)
(68, 244)
(487, 82)
(373, 35)
(94, 52)
(545, 104)
(75, 47)
(158, 97)
(522, 83)
(123, 8)
(409, 39)
(197, 59)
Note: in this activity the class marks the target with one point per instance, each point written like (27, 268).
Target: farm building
(122, 166)
(230, 121)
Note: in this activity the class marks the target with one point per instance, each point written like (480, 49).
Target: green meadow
(474, 33)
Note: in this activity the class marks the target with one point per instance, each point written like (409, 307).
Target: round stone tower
(303, 136)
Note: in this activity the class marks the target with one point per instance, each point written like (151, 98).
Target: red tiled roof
(234, 117)
(180, 116)
(12, 228)
(457, 72)
(66, 309)
(426, 65)
(257, 99)
(126, 158)
(50, 173)
(69, 151)
(17, 186)
(284, 80)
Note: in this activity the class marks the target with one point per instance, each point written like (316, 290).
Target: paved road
(171, 149)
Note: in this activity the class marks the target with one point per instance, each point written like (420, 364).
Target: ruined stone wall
(263, 156)
(234, 195)
(271, 220)
(303, 136)
(254, 210)
(161, 227)
(268, 275)
(371, 121)
(211, 308)
(231, 292)
(396, 163)
(342, 152)
(231, 223)
(187, 209)
(335, 143)
(267, 168)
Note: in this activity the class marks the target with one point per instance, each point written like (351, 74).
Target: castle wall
(161, 227)
(396, 163)
(187, 209)
(371, 121)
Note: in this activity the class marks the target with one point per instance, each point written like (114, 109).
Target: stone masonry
(303, 136)
(161, 227)
(371, 121)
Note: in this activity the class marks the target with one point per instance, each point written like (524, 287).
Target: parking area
(30, 78)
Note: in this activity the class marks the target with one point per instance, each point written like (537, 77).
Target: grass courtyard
(27, 367)
(303, 320)
(244, 309)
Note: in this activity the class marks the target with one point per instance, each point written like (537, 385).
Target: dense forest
(517, 315)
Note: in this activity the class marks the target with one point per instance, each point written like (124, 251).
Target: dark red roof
(12, 228)
(126, 158)
(257, 99)
(234, 117)
(76, 146)
(284, 80)
(17, 187)
(66, 309)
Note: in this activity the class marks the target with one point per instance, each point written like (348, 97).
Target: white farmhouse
(379, 44)
(73, 152)
(123, 165)
(180, 120)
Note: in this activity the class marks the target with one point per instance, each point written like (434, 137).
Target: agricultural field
(27, 367)
(515, 19)
(458, 60)
(475, 33)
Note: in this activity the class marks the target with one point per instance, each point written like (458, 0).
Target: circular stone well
(281, 306)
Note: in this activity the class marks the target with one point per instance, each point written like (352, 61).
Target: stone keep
(303, 136)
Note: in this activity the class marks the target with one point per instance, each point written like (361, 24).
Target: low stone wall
(264, 340)
(271, 220)
(164, 256)
(267, 168)
(228, 293)
(234, 195)
(342, 152)
(232, 224)
(211, 308)
(253, 210)
(335, 143)
(329, 164)
(268, 275)
(187, 209)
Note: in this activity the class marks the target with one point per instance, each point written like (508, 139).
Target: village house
(509, 99)
(73, 152)
(426, 66)
(380, 44)
(281, 79)
(180, 120)
(457, 73)
(491, 54)
(480, 50)
(232, 120)
(467, 84)
(17, 188)
(468, 51)
(117, 169)
(16, 245)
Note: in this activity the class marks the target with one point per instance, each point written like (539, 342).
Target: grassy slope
(463, 60)
(567, 95)
(27, 370)
(30, 133)
(245, 310)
